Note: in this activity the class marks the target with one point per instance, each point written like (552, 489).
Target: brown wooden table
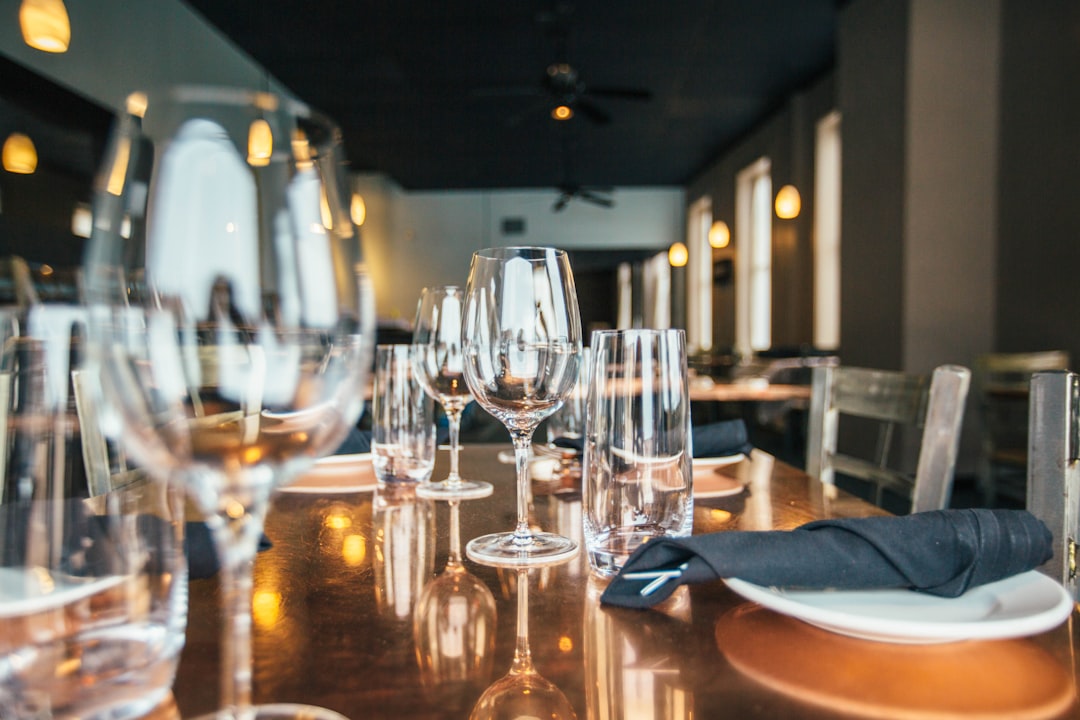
(333, 625)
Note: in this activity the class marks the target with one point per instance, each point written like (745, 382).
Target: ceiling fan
(596, 196)
(561, 91)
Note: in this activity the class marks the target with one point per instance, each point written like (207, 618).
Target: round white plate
(1018, 606)
(336, 474)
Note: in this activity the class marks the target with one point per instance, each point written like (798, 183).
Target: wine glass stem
(236, 543)
(453, 422)
(455, 534)
(522, 654)
(522, 443)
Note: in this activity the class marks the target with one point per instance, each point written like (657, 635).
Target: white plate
(336, 474)
(1018, 606)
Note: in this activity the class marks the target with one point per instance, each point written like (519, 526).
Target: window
(827, 233)
(699, 276)
(753, 259)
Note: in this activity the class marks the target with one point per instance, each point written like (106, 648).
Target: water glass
(637, 478)
(403, 419)
(93, 580)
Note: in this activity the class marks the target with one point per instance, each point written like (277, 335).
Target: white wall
(427, 238)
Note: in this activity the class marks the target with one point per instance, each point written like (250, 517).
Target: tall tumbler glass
(637, 482)
(403, 419)
(93, 581)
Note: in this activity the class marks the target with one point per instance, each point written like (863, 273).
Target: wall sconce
(788, 203)
(260, 143)
(45, 25)
(19, 154)
(719, 235)
(677, 255)
(357, 209)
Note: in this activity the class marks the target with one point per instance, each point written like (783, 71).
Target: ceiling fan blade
(561, 203)
(595, 199)
(497, 91)
(593, 111)
(620, 93)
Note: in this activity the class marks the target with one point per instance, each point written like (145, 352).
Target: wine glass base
(277, 711)
(504, 550)
(461, 490)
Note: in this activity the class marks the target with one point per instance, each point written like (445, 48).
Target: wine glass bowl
(440, 368)
(522, 336)
(229, 314)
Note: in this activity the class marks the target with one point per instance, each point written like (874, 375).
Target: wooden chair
(1001, 386)
(887, 400)
(1053, 488)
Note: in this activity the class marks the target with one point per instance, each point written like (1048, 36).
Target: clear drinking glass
(522, 337)
(402, 420)
(637, 481)
(440, 367)
(93, 581)
(228, 315)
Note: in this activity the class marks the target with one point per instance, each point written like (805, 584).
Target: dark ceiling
(451, 94)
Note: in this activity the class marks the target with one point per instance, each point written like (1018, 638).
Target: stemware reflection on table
(440, 369)
(231, 323)
(454, 629)
(522, 337)
(522, 692)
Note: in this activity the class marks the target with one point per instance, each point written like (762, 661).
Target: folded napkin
(718, 439)
(943, 552)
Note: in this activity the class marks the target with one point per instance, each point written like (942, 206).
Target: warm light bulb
(678, 255)
(562, 112)
(45, 25)
(260, 143)
(719, 235)
(788, 203)
(137, 103)
(19, 154)
(357, 209)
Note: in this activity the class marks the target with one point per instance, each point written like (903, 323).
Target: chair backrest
(1053, 488)
(891, 399)
(1000, 384)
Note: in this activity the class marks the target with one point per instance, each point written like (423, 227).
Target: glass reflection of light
(404, 549)
(354, 550)
(266, 608)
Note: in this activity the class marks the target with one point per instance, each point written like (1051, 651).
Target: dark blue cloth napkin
(943, 552)
(718, 439)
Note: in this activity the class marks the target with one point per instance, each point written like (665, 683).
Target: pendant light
(357, 209)
(260, 143)
(45, 25)
(719, 235)
(19, 154)
(788, 203)
(678, 255)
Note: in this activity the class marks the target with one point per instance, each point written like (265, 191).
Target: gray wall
(1038, 293)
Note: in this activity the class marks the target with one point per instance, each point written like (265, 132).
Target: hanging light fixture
(719, 235)
(45, 25)
(788, 203)
(678, 255)
(260, 143)
(19, 154)
(562, 112)
(357, 209)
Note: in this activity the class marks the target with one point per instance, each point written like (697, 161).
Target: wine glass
(454, 628)
(522, 692)
(522, 339)
(440, 369)
(228, 316)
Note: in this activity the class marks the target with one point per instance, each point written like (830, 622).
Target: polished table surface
(333, 622)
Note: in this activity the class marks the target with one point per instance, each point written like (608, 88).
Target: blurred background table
(333, 622)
